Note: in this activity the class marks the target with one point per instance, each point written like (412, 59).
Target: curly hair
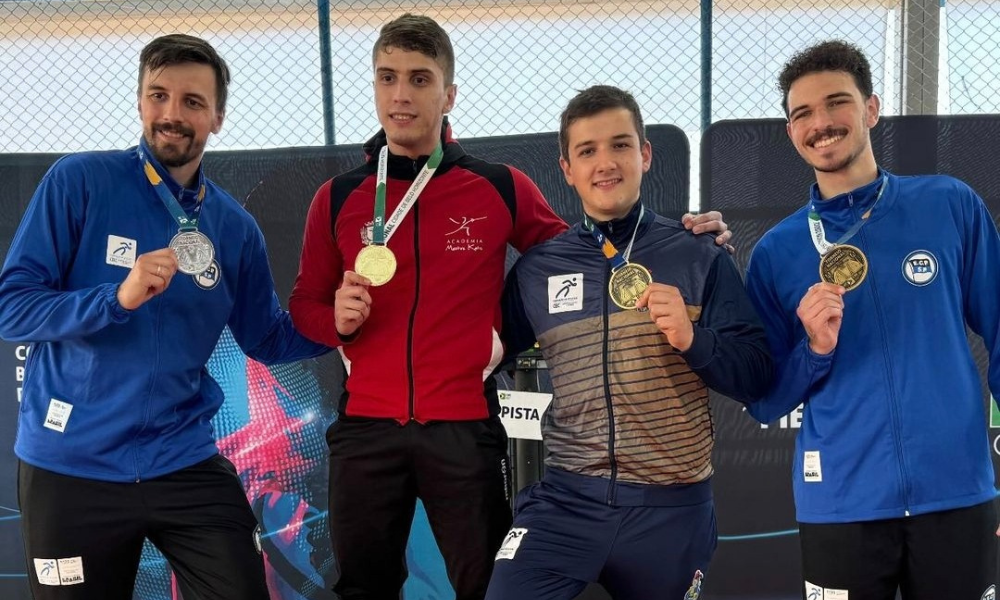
(832, 55)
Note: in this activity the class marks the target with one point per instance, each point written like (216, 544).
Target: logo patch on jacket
(121, 251)
(460, 238)
(209, 278)
(920, 267)
(511, 543)
(565, 293)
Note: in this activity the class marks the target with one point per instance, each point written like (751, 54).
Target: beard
(177, 153)
(841, 164)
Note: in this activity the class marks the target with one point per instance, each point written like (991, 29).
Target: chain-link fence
(68, 68)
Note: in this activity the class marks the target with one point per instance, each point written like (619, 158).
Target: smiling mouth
(402, 118)
(827, 141)
(607, 183)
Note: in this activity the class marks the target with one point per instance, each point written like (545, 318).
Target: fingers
(709, 222)
(352, 303)
(353, 279)
(150, 275)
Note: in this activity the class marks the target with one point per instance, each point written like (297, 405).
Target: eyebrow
(796, 110)
(617, 138)
(153, 87)
(413, 72)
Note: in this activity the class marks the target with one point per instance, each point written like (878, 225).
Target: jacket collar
(406, 168)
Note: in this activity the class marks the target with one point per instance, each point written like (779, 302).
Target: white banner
(521, 413)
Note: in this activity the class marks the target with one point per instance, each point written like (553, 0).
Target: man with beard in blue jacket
(893, 479)
(123, 273)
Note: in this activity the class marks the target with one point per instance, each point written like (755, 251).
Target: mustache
(826, 133)
(173, 128)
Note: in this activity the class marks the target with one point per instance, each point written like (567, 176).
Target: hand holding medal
(352, 303)
(669, 312)
(821, 311)
(149, 277)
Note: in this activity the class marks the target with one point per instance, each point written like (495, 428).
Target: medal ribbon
(610, 252)
(184, 222)
(819, 234)
(381, 229)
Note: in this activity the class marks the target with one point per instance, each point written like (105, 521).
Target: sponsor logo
(990, 593)
(121, 251)
(511, 543)
(920, 267)
(565, 293)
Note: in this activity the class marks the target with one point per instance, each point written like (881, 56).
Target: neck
(863, 171)
(604, 217)
(412, 152)
(187, 175)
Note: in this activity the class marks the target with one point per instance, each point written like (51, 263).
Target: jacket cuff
(702, 349)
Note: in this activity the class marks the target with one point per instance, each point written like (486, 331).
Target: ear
(567, 171)
(647, 156)
(872, 108)
(450, 94)
(217, 122)
(788, 129)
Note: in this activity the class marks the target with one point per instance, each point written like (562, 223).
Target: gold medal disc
(627, 284)
(844, 265)
(377, 263)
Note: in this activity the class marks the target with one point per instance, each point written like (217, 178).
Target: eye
(386, 78)
(193, 103)
(420, 80)
(585, 152)
(800, 115)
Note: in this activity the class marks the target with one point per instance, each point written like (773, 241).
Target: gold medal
(376, 263)
(627, 284)
(844, 265)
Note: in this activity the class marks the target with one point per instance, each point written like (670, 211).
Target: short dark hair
(593, 100)
(177, 49)
(832, 55)
(418, 33)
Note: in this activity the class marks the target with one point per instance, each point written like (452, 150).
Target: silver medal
(194, 252)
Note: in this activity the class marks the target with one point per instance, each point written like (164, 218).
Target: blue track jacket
(893, 422)
(120, 395)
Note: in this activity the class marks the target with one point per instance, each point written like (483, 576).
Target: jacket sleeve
(320, 274)
(797, 367)
(34, 304)
(534, 221)
(516, 333)
(729, 349)
(260, 326)
(980, 284)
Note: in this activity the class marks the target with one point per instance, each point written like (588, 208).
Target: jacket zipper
(411, 402)
(607, 394)
(893, 402)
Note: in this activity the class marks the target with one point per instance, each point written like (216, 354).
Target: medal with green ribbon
(841, 263)
(376, 262)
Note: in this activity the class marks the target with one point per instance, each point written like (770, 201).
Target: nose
(172, 109)
(401, 92)
(605, 161)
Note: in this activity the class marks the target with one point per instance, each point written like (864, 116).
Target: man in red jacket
(409, 293)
